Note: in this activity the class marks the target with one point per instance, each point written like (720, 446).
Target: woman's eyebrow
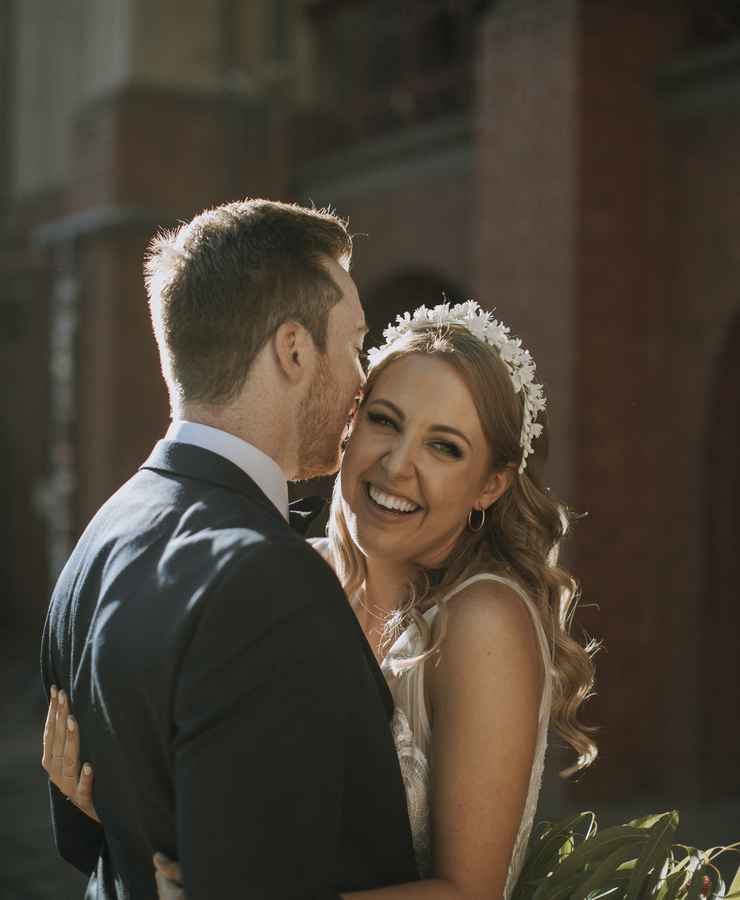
(440, 428)
(391, 406)
(450, 430)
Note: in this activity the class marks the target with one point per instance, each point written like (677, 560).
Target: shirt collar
(261, 468)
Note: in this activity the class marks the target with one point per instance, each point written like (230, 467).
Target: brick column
(573, 247)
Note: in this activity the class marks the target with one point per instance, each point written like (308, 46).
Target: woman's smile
(390, 504)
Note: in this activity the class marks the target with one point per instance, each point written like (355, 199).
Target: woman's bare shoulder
(492, 607)
(489, 625)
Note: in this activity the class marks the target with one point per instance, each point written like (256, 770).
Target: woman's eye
(448, 449)
(379, 419)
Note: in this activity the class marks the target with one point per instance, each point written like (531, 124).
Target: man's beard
(322, 420)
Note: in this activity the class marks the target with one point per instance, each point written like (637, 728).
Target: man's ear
(497, 485)
(295, 351)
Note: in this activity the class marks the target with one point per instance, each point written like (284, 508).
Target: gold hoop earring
(482, 519)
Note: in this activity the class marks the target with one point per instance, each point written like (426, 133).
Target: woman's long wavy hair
(520, 538)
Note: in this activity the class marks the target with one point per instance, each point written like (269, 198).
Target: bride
(446, 543)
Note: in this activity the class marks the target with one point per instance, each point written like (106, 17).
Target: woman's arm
(485, 696)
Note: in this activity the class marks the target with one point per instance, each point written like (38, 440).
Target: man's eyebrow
(448, 429)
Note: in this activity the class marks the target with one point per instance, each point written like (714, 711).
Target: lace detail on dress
(415, 773)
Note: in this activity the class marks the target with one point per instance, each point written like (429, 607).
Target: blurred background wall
(574, 164)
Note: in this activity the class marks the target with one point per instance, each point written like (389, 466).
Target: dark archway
(720, 638)
(405, 291)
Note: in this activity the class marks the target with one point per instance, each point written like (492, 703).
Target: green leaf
(591, 852)
(649, 821)
(604, 892)
(602, 873)
(544, 854)
(696, 884)
(735, 886)
(654, 854)
(566, 849)
(674, 883)
(557, 889)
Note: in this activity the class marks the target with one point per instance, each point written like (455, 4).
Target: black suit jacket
(231, 707)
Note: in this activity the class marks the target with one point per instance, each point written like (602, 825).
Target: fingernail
(61, 698)
(87, 769)
(70, 724)
(53, 692)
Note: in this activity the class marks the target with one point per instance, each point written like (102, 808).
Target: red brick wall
(623, 258)
(702, 462)
(24, 436)
(526, 130)
(122, 398)
(609, 221)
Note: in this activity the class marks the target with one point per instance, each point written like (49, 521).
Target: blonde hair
(520, 538)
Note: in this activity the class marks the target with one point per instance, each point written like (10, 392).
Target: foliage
(573, 860)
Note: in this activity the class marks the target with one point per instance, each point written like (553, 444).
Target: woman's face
(416, 464)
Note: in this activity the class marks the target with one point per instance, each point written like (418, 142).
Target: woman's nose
(399, 460)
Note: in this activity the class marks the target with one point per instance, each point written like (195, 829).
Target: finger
(49, 726)
(84, 794)
(71, 759)
(170, 868)
(60, 731)
(166, 889)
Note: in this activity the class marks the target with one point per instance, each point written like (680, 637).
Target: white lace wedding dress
(412, 729)
(412, 732)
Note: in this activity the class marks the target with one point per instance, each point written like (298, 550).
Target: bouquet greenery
(573, 860)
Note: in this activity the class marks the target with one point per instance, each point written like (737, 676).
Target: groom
(231, 708)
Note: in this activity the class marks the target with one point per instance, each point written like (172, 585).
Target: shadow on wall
(720, 671)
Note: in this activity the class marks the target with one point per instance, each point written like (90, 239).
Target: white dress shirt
(261, 468)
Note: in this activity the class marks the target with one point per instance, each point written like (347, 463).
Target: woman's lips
(393, 515)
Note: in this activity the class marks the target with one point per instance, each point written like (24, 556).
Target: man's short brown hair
(221, 285)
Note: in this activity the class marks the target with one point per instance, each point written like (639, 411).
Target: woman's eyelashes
(379, 419)
(450, 449)
(445, 447)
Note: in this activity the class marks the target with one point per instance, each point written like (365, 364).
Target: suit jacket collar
(188, 461)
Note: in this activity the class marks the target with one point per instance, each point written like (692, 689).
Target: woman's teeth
(389, 501)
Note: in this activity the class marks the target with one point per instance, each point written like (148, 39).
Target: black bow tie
(303, 511)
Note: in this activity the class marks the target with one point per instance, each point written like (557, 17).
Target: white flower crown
(481, 324)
